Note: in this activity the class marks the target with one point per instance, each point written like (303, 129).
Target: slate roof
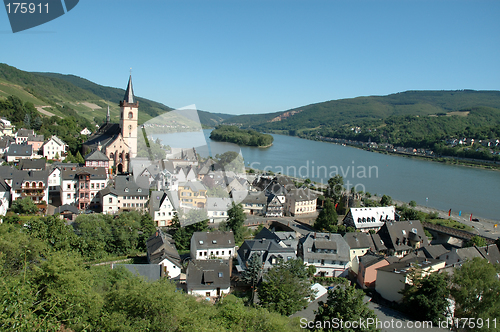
(18, 177)
(266, 249)
(32, 164)
(4, 187)
(301, 194)
(218, 204)
(161, 246)
(66, 208)
(20, 150)
(212, 240)
(491, 253)
(370, 259)
(258, 197)
(195, 186)
(158, 197)
(150, 272)
(396, 235)
(96, 173)
(357, 240)
(434, 251)
(403, 267)
(370, 216)
(5, 141)
(35, 138)
(324, 241)
(25, 132)
(125, 185)
(96, 156)
(105, 135)
(208, 274)
(378, 243)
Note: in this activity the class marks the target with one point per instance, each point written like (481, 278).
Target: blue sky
(266, 56)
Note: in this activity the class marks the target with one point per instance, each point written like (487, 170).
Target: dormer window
(126, 190)
(201, 242)
(403, 231)
(214, 241)
(139, 190)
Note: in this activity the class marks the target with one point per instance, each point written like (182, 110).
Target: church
(118, 141)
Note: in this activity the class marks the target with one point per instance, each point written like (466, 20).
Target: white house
(6, 127)
(369, 218)
(162, 207)
(17, 152)
(54, 148)
(217, 208)
(212, 245)
(209, 278)
(85, 131)
(329, 253)
(162, 251)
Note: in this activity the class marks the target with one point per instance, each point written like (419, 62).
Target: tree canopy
(233, 134)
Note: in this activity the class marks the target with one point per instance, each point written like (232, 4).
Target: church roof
(96, 156)
(106, 134)
(129, 93)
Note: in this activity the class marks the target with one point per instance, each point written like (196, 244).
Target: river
(432, 184)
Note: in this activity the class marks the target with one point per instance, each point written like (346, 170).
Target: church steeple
(129, 93)
(108, 116)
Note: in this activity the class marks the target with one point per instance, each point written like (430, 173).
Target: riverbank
(484, 227)
(448, 160)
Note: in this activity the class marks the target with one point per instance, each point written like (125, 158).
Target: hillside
(88, 99)
(357, 111)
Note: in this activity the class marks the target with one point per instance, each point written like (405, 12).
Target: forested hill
(356, 111)
(88, 99)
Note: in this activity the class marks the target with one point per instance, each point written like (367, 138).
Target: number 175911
(23, 8)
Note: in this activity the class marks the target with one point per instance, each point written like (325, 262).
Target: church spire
(129, 93)
(108, 116)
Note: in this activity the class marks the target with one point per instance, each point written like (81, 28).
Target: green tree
(345, 304)
(79, 159)
(412, 204)
(235, 220)
(335, 188)
(429, 294)
(477, 241)
(476, 289)
(386, 200)
(252, 274)
(281, 290)
(27, 121)
(24, 206)
(327, 218)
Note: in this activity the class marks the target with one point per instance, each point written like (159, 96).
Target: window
(222, 253)
(220, 274)
(91, 186)
(130, 115)
(111, 200)
(69, 196)
(69, 186)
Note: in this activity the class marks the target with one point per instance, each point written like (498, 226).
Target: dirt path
(41, 110)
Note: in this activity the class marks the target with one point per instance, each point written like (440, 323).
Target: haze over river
(432, 184)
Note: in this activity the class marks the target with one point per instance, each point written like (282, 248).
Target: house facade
(369, 218)
(162, 207)
(127, 194)
(80, 186)
(393, 278)
(300, 201)
(208, 278)
(329, 253)
(192, 194)
(54, 148)
(212, 245)
(161, 251)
